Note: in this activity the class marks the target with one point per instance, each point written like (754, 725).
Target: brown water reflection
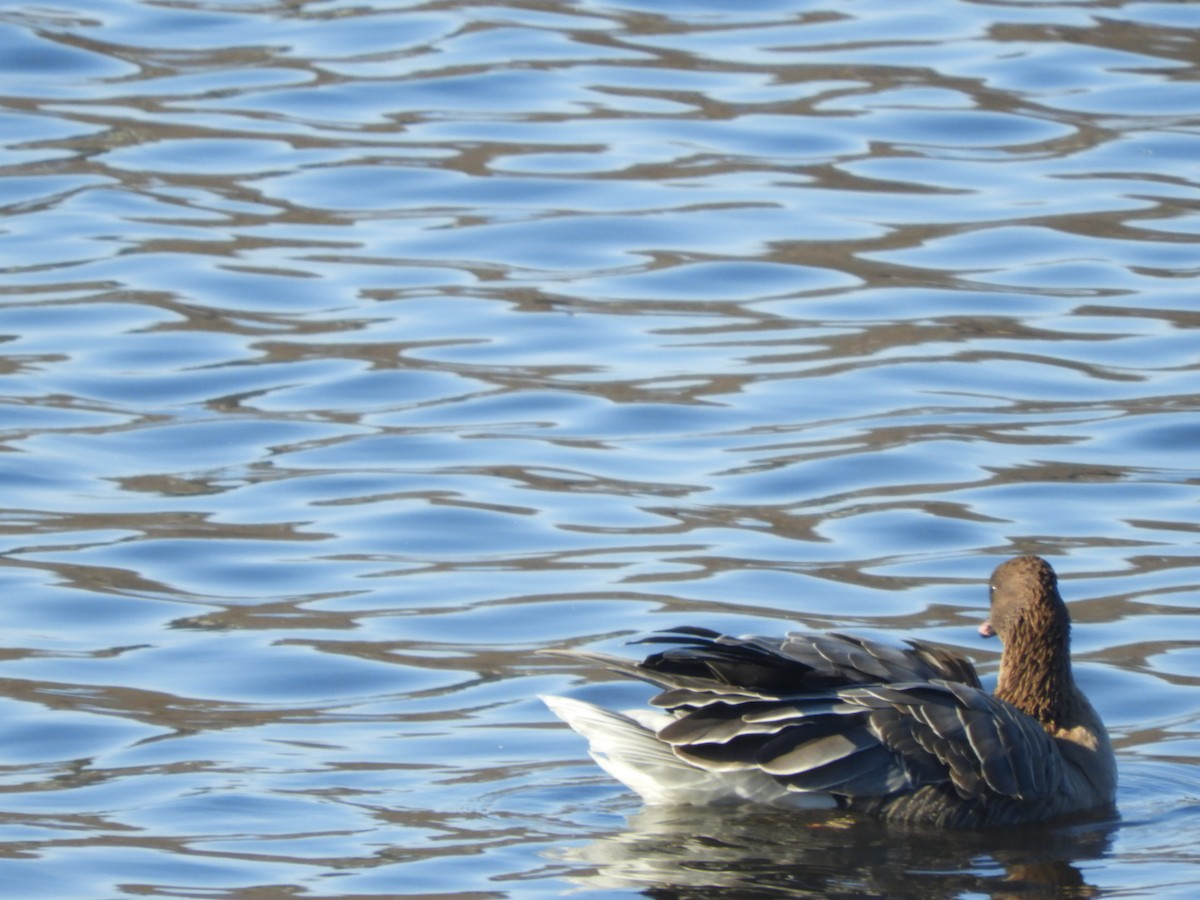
(694, 853)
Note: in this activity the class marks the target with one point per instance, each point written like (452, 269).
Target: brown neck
(1035, 672)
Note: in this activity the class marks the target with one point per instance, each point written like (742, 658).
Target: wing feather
(843, 715)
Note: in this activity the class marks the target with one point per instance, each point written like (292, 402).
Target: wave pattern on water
(352, 352)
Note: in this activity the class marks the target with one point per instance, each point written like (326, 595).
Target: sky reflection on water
(354, 352)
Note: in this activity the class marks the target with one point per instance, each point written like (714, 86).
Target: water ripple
(354, 352)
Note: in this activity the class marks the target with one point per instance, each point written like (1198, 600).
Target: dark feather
(905, 732)
(869, 772)
(717, 723)
(809, 747)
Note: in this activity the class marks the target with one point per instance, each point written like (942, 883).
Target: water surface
(353, 352)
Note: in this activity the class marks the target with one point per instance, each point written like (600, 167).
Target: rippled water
(354, 351)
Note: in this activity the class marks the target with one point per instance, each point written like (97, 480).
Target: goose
(836, 721)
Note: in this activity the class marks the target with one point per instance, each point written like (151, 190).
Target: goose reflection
(690, 852)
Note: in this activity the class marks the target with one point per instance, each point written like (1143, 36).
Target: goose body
(839, 721)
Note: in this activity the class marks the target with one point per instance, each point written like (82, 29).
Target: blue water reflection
(353, 353)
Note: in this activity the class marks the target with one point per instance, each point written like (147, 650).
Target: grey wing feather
(795, 663)
(982, 744)
(841, 714)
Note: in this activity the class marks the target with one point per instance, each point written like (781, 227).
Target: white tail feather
(628, 749)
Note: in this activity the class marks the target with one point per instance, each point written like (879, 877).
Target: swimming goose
(833, 720)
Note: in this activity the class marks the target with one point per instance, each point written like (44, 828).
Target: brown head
(1023, 588)
(1032, 623)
